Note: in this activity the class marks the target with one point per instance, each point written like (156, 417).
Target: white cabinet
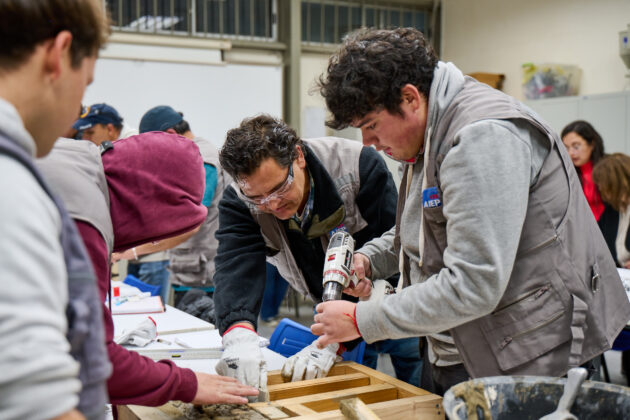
(609, 113)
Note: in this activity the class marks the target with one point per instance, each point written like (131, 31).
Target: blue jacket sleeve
(240, 274)
(211, 184)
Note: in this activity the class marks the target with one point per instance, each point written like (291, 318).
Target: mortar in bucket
(532, 397)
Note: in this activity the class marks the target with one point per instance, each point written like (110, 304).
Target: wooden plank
(330, 400)
(355, 409)
(125, 413)
(293, 410)
(412, 408)
(299, 410)
(316, 386)
(138, 412)
(405, 389)
(176, 410)
(273, 412)
(425, 407)
(274, 377)
(342, 368)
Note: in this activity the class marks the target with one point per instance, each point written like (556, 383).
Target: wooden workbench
(318, 399)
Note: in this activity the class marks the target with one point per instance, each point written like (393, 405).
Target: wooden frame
(318, 399)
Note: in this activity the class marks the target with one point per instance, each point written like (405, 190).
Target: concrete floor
(305, 317)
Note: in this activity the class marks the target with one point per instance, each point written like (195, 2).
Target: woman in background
(586, 148)
(612, 177)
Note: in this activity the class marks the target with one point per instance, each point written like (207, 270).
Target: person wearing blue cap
(165, 118)
(101, 122)
(192, 263)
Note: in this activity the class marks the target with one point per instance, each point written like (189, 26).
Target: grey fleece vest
(340, 158)
(564, 303)
(192, 262)
(85, 320)
(72, 169)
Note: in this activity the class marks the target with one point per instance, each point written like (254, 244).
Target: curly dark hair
(370, 69)
(588, 133)
(256, 139)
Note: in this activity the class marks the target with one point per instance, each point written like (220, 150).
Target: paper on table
(147, 305)
(171, 321)
(625, 279)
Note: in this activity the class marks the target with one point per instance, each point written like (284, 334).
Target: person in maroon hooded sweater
(153, 185)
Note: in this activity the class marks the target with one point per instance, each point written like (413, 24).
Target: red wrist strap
(239, 326)
(342, 349)
(353, 317)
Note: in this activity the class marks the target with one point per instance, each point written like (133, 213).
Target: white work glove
(380, 288)
(311, 362)
(243, 360)
(141, 335)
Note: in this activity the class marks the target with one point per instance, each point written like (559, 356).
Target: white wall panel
(609, 113)
(213, 98)
(498, 36)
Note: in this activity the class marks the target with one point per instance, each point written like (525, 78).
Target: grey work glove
(310, 362)
(141, 335)
(243, 360)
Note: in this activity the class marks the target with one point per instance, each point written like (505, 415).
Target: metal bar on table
(181, 354)
(186, 330)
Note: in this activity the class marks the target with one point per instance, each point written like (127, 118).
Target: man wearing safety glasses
(288, 196)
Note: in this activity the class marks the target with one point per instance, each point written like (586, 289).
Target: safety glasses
(276, 194)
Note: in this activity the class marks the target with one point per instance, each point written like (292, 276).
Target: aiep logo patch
(431, 198)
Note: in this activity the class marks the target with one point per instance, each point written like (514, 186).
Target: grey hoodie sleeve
(485, 180)
(380, 251)
(39, 377)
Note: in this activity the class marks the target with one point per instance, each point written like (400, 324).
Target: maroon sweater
(156, 184)
(135, 379)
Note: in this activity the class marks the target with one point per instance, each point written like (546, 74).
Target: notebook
(147, 305)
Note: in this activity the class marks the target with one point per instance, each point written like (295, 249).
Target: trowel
(575, 377)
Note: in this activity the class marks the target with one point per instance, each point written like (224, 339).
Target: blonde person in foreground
(52, 348)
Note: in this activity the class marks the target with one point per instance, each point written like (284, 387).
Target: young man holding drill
(507, 271)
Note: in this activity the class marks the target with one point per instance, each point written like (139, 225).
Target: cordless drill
(338, 273)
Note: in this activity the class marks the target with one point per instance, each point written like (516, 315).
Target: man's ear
(300, 157)
(411, 96)
(56, 50)
(112, 132)
(171, 131)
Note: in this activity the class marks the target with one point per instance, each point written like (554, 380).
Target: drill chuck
(332, 291)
